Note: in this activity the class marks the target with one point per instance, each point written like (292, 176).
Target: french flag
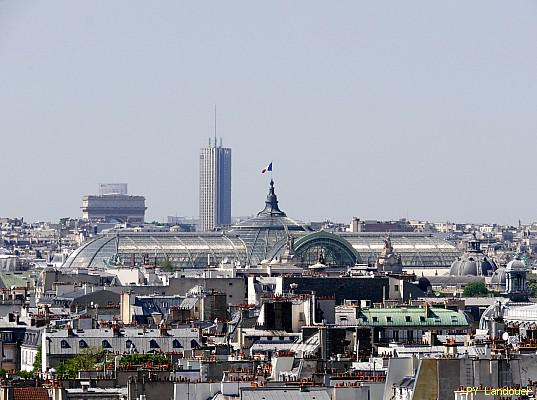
(267, 168)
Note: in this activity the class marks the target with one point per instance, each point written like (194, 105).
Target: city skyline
(372, 110)
(360, 223)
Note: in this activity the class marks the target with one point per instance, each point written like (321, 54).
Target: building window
(408, 318)
(230, 283)
(153, 344)
(129, 344)
(389, 319)
(106, 344)
(375, 319)
(82, 344)
(396, 288)
(422, 319)
(177, 344)
(65, 345)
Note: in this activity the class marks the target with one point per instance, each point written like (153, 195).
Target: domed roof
(515, 264)
(424, 284)
(498, 277)
(269, 227)
(473, 262)
(482, 266)
(271, 217)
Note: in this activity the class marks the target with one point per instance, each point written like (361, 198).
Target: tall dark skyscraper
(215, 186)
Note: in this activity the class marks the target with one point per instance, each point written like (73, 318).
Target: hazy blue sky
(373, 109)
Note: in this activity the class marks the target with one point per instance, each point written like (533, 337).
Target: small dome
(498, 278)
(473, 262)
(515, 264)
(469, 267)
(473, 266)
(424, 284)
(455, 265)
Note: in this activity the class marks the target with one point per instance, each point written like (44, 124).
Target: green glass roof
(386, 317)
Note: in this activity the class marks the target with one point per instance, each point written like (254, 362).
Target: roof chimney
(115, 329)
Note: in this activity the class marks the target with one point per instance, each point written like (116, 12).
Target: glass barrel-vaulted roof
(187, 250)
(250, 242)
(269, 227)
(415, 249)
(418, 250)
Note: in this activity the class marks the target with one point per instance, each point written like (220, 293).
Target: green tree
(167, 265)
(25, 374)
(137, 359)
(532, 287)
(37, 361)
(85, 360)
(475, 289)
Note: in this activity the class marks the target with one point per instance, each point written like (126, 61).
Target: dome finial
(271, 204)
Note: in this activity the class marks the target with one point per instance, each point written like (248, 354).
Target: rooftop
(412, 316)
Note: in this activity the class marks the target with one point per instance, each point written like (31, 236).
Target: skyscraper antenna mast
(215, 125)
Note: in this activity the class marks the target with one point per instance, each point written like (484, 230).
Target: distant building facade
(215, 186)
(358, 225)
(113, 204)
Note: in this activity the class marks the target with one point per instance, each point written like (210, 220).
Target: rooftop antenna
(215, 143)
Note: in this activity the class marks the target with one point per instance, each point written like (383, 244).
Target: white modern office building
(215, 186)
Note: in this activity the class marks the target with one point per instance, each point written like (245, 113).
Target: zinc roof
(386, 317)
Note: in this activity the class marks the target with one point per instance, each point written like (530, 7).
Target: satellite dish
(505, 336)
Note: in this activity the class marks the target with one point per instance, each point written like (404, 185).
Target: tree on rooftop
(37, 361)
(137, 359)
(83, 361)
(25, 374)
(475, 289)
(532, 287)
(166, 265)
